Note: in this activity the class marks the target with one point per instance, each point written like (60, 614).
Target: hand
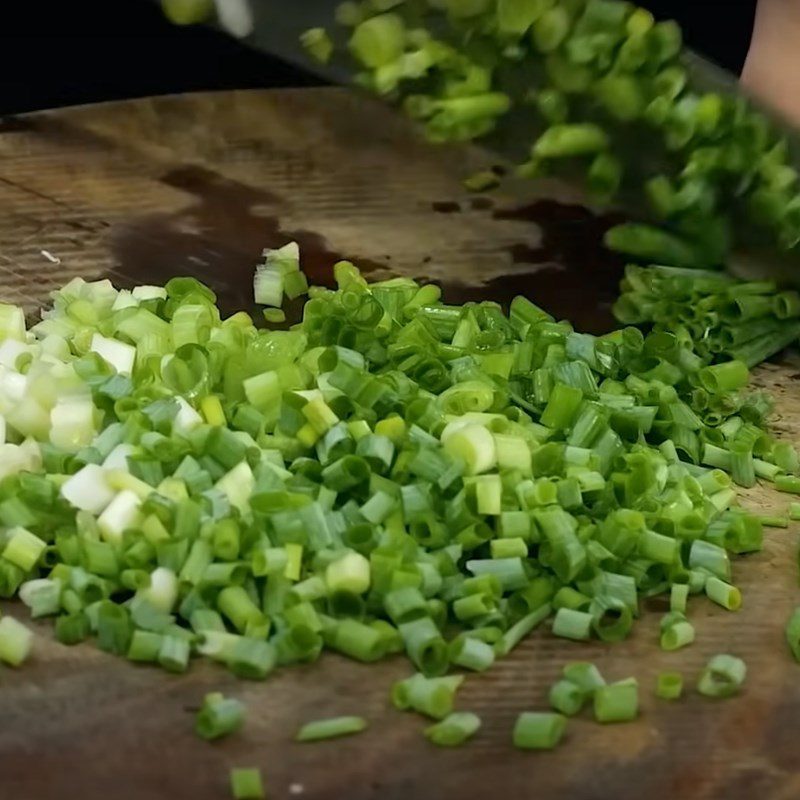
(772, 69)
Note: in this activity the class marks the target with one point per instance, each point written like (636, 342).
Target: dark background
(64, 52)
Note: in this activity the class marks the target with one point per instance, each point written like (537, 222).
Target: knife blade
(277, 27)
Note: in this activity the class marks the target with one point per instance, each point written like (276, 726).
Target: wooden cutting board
(143, 190)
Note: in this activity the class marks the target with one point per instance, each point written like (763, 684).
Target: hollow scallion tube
(16, 642)
(454, 730)
(669, 685)
(723, 594)
(330, 728)
(539, 730)
(246, 784)
(219, 716)
(471, 653)
(433, 697)
(567, 697)
(723, 676)
(585, 675)
(787, 483)
(617, 702)
(677, 634)
(571, 624)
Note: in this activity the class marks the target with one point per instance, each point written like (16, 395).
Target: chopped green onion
(723, 594)
(219, 716)
(539, 730)
(723, 676)
(16, 642)
(433, 697)
(572, 624)
(617, 702)
(773, 520)
(330, 728)
(246, 784)
(677, 634)
(669, 685)
(567, 697)
(453, 730)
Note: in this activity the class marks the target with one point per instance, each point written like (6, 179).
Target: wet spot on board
(218, 239)
(569, 273)
(445, 207)
(220, 236)
(481, 203)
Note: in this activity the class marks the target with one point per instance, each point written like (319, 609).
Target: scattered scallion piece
(274, 315)
(567, 697)
(723, 676)
(16, 642)
(433, 697)
(539, 730)
(773, 520)
(219, 716)
(454, 729)
(481, 181)
(585, 675)
(669, 685)
(330, 728)
(617, 702)
(246, 784)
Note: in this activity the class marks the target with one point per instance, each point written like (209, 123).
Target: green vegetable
(433, 697)
(219, 716)
(539, 730)
(617, 702)
(481, 181)
(330, 728)
(669, 685)
(653, 245)
(561, 141)
(567, 697)
(187, 12)
(453, 730)
(678, 633)
(317, 44)
(723, 676)
(16, 642)
(723, 594)
(246, 784)
(774, 520)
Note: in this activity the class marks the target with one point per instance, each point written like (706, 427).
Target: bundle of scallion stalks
(723, 317)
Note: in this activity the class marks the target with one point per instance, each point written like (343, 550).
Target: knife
(275, 28)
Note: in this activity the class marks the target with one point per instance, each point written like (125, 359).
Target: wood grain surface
(144, 190)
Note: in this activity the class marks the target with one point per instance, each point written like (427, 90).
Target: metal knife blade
(277, 30)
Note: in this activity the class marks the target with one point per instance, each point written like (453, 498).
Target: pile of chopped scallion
(393, 474)
(726, 318)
